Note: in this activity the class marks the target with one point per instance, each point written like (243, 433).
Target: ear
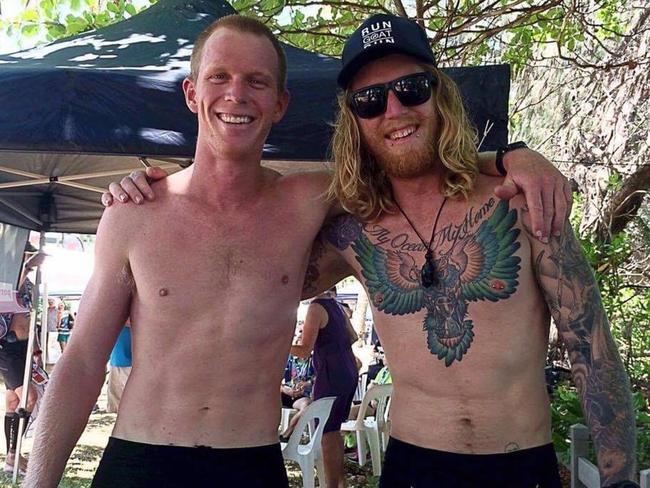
(281, 106)
(190, 95)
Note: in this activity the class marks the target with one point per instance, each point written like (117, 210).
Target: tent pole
(44, 310)
(45, 180)
(44, 326)
(27, 379)
(19, 172)
(82, 186)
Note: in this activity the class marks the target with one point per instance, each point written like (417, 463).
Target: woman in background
(329, 333)
(66, 322)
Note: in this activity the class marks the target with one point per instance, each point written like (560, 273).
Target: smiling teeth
(236, 119)
(399, 134)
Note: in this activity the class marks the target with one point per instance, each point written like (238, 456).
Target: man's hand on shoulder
(135, 187)
(547, 191)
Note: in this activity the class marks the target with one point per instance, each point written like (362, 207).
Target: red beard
(410, 161)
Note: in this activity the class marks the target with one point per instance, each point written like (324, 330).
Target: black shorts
(127, 464)
(12, 363)
(409, 466)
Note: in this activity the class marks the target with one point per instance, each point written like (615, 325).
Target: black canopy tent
(81, 112)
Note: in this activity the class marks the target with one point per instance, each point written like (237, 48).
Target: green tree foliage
(48, 20)
(626, 297)
(462, 32)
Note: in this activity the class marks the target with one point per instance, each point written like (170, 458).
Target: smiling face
(236, 95)
(402, 139)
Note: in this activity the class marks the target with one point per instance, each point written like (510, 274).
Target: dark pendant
(428, 272)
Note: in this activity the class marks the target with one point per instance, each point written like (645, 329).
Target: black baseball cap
(379, 36)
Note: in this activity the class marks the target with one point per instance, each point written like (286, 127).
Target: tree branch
(624, 205)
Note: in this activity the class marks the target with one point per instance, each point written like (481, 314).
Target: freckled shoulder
(121, 224)
(119, 218)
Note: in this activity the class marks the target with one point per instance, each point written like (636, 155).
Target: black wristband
(623, 484)
(504, 149)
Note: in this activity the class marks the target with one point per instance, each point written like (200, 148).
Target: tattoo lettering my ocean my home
(479, 266)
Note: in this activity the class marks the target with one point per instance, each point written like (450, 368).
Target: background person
(329, 334)
(383, 377)
(13, 355)
(53, 318)
(66, 322)
(296, 390)
(120, 363)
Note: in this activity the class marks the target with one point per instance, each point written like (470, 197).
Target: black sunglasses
(410, 90)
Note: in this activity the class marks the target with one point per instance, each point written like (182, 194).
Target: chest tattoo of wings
(481, 266)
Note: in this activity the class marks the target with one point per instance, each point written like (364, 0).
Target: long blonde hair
(362, 187)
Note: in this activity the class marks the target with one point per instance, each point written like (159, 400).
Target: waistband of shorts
(543, 450)
(118, 443)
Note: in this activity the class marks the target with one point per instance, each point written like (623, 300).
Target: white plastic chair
(372, 431)
(361, 387)
(287, 413)
(309, 456)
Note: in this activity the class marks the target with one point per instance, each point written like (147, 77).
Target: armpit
(125, 277)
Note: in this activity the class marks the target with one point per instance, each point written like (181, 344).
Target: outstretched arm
(572, 295)
(315, 319)
(547, 191)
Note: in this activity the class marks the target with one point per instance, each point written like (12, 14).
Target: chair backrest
(320, 409)
(380, 394)
(361, 387)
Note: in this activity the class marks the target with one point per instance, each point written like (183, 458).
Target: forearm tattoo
(572, 294)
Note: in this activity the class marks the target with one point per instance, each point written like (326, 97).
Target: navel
(163, 292)
(285, 279)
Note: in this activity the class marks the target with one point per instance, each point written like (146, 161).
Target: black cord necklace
(428, 272)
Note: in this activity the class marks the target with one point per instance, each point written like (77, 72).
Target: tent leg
(44, 309)
(27, 379)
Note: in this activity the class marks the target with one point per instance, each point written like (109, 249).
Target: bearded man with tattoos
(462, 292)
(469, 378)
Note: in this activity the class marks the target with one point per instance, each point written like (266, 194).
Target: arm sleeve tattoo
(572, 295)
(325, 268)
(309, 286)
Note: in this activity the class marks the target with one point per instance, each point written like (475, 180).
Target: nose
(393, 106)
(236, 91)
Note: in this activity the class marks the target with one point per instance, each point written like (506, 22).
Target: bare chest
(206, 256)
(482, 302)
